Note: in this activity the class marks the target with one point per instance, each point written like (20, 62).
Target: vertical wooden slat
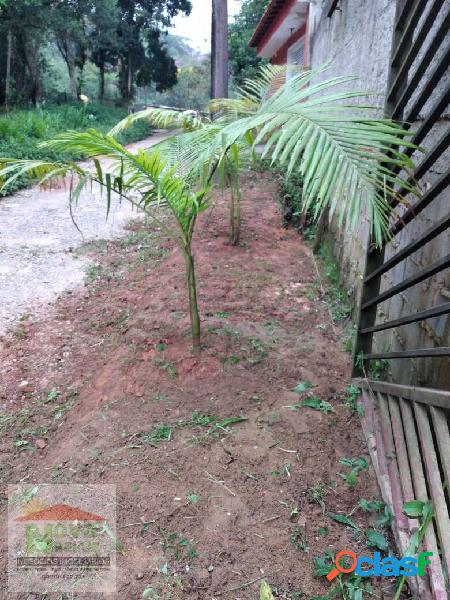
(381, 455)
(434, 479)
(405, 478)
(402, 455)
(420, 491)
(443, 439)
(402, 524)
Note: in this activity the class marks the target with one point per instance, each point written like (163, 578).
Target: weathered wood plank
(434, 479)
(433, 397)
(420, 492)
(401, 522)
(443, 439)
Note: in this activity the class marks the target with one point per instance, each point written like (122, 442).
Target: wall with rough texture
(357, 39)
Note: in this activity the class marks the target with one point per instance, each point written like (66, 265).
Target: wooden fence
(407, 427)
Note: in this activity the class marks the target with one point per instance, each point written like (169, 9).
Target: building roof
(269, 16)
(280, 20)
(60, 512)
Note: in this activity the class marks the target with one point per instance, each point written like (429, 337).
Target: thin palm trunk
(235, 211)
(192, 292)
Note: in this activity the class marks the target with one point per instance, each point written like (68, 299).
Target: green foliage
(334, 297)
(265, 593)
(344, 520)
(291, 190)
(356, 465)
(342, 153)
(69, 36)
(313, 402)
(351, 395)
(191, 90)
(301, 387)
(22, 131)
(415, 509)
(244, 62)
(298, 540)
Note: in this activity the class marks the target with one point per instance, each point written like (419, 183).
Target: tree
(219, 49)
(244, 62)
(191, 90)
(103, 40)
(69, 24)
(142, 52)
(27, 24)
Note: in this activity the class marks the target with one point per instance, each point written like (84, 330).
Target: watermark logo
(390, 566)
(61, 538)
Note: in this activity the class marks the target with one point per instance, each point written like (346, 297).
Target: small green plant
(192, 498)
(265, 593)
(316, 495)
(284, 471)
(356, 465)
(301, 387)
(298, 540)
(180, 547)
(423, 511)
(156, 435)
(222, 314)
(348, 587)
(351, 395)
(312, 402)
(53, 395)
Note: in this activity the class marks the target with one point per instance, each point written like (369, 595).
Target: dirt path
(104, 389)
(37, 239)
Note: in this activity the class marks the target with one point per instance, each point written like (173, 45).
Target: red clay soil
(103, 388)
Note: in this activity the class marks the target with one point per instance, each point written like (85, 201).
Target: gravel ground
(37, 239)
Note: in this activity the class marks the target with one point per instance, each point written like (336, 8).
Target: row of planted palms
(343, 154)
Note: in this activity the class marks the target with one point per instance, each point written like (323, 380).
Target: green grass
(21, 131)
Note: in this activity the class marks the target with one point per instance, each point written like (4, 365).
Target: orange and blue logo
(389, 566)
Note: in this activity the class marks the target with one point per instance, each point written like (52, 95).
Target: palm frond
(342, 153)
(162, 118)
(144, 178)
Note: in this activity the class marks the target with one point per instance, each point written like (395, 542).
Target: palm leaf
(342, 153)
(163, 118)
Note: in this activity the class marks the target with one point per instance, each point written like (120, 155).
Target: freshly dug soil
(104, 389)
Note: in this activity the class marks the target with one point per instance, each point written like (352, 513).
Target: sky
(197, 27)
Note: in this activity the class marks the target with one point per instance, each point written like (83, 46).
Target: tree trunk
(101, 82)
(8, 68)
(193, 306)
(219, 49)
(72, 77)
(129, 82)
(32, 56)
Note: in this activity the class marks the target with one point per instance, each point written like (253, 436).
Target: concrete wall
(357, 39)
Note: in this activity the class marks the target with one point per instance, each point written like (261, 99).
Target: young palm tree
(144, 179)
(344, 155)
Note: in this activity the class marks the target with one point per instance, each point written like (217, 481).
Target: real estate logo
(61, 538)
